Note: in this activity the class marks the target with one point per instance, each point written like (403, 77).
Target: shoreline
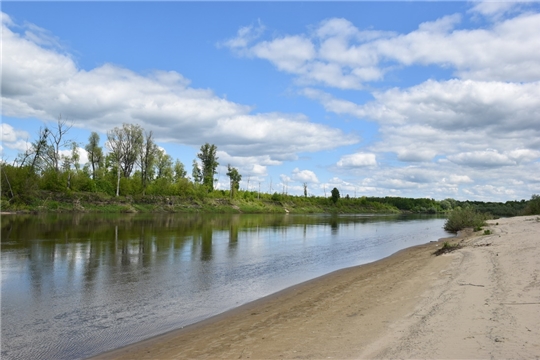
(410, 304)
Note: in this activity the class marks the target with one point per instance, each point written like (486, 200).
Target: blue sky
(415, 99)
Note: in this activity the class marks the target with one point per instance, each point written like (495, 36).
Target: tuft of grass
(487, 232)
(446, 248)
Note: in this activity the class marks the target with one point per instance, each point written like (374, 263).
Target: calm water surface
(78, 285)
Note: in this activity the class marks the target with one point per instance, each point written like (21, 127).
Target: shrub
(461, 218)
(533, 206)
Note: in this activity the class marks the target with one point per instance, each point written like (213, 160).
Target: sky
(410, 99)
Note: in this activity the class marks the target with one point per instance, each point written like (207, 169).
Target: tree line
(134, 164)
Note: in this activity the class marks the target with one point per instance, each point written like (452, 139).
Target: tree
(95, 153)
(335, 195)
(305, 189)
(196, 173)
(125, 144)
(147, 158)
(209, 164)
(56, 141)
(164, 164)
(33, 157)
(235, 179)
(179, 171)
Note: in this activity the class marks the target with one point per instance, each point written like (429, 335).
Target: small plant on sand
(487, 232)
(446, 248)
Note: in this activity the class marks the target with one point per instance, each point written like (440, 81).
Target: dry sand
(480, 301)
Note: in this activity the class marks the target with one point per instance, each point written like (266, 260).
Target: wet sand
(480, 301)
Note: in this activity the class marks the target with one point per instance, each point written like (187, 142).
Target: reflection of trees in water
(135, 239)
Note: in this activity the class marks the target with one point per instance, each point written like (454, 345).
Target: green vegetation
(533, 206)
(467, 217)
(335, 195)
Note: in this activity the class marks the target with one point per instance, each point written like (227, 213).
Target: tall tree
(235, 179)
(125, 144)
(147, 158)
(56, 141)
(209, 164)
(179, 171)
(95, 153)
(164, 164)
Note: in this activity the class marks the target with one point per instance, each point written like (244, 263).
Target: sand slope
(486, 306)
(481, 301)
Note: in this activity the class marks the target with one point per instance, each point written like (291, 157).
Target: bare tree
(56, 141)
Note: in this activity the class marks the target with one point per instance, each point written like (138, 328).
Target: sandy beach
(480, 301)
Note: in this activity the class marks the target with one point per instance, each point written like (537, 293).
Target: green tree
(209, 164)
(147, 158)
(95, 153)
(125, 144)
(164, 169)
(196, 173)
(533, 206)
(179, 171)
(235, 179)
(335, 195)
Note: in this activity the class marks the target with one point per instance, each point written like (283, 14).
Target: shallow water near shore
(74, 286)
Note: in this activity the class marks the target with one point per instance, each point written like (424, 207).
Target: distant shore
(481, 300)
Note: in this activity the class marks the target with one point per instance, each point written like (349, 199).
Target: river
(77, 285)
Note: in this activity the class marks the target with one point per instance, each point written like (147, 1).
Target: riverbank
(481, 300)
(217, 202)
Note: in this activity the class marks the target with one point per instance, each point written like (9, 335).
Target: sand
(480, 301)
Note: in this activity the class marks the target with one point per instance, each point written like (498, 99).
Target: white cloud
(492, 158)
(288, 53)
(109, 95)
(340, 55)
(13, 138)
(357, 160)
(494, 9)
(302, 176)
(459, 179)
(451, 117)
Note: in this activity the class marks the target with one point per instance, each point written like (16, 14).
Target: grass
(446, 248)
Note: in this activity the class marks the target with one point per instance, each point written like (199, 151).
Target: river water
(78, 285)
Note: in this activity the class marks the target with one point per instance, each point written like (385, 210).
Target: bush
(533, 206)
(461, 218)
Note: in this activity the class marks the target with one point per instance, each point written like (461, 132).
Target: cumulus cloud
(492, 158)
(357, 160)
(163, 102)
(14, 139)
(340, 55)
(444, 118)
(307, 176)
